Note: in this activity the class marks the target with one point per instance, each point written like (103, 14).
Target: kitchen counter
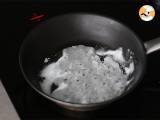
(7, 110)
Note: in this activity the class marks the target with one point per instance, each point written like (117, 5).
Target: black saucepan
(67, 30)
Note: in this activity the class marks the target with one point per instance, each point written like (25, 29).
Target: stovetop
(17, 19)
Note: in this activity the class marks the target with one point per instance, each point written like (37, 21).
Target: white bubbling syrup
(82, 77)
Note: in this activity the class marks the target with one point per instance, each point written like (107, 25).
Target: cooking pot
(64, 31)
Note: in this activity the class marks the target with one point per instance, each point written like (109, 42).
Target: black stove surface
(17, 19)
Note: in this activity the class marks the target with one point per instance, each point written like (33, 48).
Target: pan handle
(152, 45)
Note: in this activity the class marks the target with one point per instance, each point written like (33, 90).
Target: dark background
(143, 102)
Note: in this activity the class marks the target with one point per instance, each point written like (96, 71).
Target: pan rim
(80, 105)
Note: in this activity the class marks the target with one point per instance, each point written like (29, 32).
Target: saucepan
(67, 30)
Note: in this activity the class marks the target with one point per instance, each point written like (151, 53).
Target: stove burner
(37, 17)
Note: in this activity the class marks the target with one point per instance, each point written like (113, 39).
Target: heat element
(36, 17)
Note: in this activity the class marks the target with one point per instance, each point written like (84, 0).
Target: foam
(83, 78)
